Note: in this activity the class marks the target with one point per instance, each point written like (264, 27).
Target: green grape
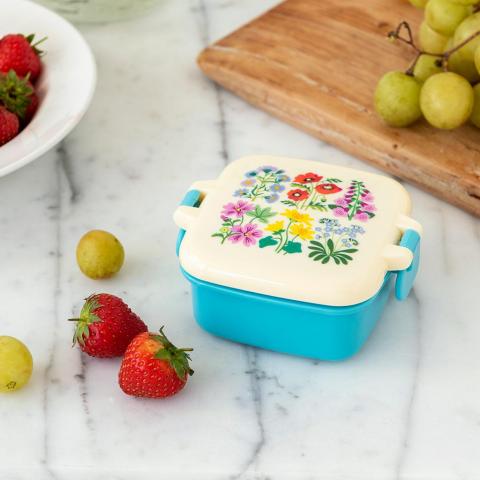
(476, 58)
(418, 3)
(464, 2)
(467, 28)
(465, 68)
(449, 44)
(457, 64)
(100, 254)
(397, 99)
(475, 117)
(444, 17)
(426, 67)
(15, 364)
(430, 40)
(446, 100)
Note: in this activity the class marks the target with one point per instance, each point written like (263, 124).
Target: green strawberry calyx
(87, 317)
(15, 93)
(177, 357)
(30, 39)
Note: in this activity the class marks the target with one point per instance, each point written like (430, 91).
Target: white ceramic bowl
(65, 86)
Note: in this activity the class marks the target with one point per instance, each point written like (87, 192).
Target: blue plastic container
(320, 331)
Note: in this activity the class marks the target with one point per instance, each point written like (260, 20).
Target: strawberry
(154, 367)
(19, 54)
(18, 95)
(106, 326)
(9, 125)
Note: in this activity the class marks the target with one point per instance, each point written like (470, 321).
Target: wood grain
(315, 65)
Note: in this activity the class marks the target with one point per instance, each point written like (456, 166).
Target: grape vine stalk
(443, 58)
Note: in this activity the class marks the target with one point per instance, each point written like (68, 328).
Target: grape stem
(397, 35)
(442, 57)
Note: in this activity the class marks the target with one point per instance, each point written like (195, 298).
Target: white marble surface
(407, 407)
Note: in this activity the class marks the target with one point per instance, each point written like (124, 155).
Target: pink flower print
(341, 202)
(224, 218)
(369, 207)
(368, 197)
(340, 212)
(362, 216)
(238, 209)
(248, 234)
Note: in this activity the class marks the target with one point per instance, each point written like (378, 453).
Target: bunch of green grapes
(443, 81)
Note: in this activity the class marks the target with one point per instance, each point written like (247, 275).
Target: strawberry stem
(39, 42)
(15, 93)
(87, 317)
(30, 38)
(177, 358)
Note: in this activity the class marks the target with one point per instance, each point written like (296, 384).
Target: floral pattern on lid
(293, 230)
(265, 183)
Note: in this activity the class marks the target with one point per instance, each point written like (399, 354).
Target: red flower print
(297, 195)
(307, 178)
(327, 188)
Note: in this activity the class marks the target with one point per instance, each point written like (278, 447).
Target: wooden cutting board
(315, 64)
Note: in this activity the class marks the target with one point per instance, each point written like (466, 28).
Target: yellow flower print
(225, 230)
(305, 232)
(296, 216)
(249, 182)
(275, 227)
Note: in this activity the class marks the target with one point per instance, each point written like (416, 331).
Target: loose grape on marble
(16, 364)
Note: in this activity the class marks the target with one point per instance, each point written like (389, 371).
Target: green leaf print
(267, 242)
(261, 214)
(292, 247)
(318, 206)
(323, 253)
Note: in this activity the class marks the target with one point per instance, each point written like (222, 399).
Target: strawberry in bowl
(51, 91)
(17, 97)
(20, 67)
(20, 54)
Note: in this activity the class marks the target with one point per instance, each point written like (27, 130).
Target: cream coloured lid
(297, 229)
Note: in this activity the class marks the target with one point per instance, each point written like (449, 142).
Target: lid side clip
(185, 213)
(406, 277)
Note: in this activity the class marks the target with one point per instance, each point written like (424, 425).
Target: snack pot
(296, 256)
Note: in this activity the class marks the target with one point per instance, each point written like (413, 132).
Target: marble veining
(204, 28)
(410, 406)
(406, 408)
